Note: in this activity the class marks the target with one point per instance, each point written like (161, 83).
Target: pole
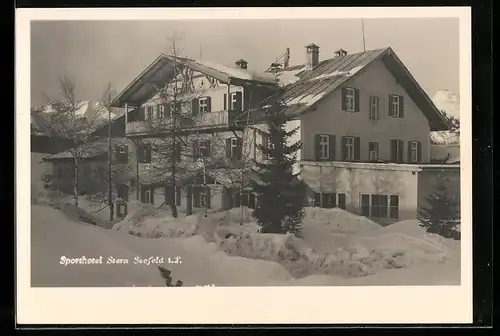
(363, 32)
(110, 181)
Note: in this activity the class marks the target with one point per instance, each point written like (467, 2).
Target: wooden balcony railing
(204, 120)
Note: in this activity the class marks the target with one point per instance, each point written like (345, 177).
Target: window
(149, 113)
(365, 205)
(122, 192)
(177, 196)
(100, 173)
(60, 172)
(396, 106)
(414, 151)
(341, 201)
(324, 147)
(394, 206)
(234, 100)
(374, 107)
(396, 151)
(317, 200)
(246, 198)
(373, 151)
(350, 99)
(203, 105)
(121, 154)
(161, 113)
(349, 148)
(144, 153)
(201, 197)
(265, 144)
(234, 148)
(329, 200)
(148, 195)
(379, 206)
(204, 147)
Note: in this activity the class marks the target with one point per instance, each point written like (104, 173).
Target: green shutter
(344, 148)
(419, 151)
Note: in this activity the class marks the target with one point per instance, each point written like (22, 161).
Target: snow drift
(335, 242)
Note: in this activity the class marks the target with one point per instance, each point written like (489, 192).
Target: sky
(95, 53)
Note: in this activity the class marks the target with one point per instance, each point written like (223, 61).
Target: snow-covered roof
(161, 71)
(302, 89)
(92, 150)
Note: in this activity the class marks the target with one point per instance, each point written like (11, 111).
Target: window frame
(370, 150)
(324, 147)
(414, 151)
(203, 105)
(203, 146)
(395, 105)
(350, 94)
(347, 146)
(374, 107)
(161, 112)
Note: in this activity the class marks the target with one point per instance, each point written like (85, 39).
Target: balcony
(205, 121)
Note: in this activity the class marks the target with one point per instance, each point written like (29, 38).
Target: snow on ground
(227, 249)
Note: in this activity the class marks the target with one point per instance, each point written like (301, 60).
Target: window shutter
(401, 150)
(332, 145)
(209, 104)
(196, 150)
(207, 142)
(394, 150)
(148, 153)
(317, 152)
(228, 147)
(208, 198)
(409, 151)
(117, 154)
(356, 101)
(194, 107)
(419, 151)
(238, 105)
(343, 103)
(140, 153)
(344, 148)
(225, 101)
(142, 113)
(357, 145)
(390, 105)
(401, 107)
(152, 195)
(167, 110)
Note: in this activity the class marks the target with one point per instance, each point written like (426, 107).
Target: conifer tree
(442, 214)
(280, 194)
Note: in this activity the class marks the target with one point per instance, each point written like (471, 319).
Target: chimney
(312, 54)
(242, 64)
(340, 52)
(275, 68)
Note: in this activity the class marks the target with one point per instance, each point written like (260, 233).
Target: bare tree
(170, 114)
(68, 122)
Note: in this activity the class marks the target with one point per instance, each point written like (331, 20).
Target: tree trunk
(75, 182)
